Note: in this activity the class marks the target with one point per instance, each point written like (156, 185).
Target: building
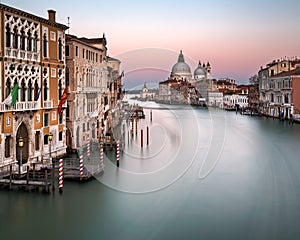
(95, 88)
(87, 77)
(215, 99)
(282, 93)
(32, 59)
(182, 86)
(146, 94)
(264, 74)
(253, 98)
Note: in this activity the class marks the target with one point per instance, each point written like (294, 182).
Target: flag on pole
(62, 100)
(12, 97)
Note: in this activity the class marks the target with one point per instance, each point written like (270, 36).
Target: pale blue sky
(237, 37)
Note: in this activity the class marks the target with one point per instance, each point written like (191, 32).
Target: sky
(236, 37)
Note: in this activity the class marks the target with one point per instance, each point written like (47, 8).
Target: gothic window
(23, 90)
(7, 146)
(15, 38)
(59, 89)
(22, 39)
(7, 36)
(35, 40)
(45, 46)
(8, 86)
(37, 141)
(36, 90)
(29, 92)
(29, 41)
(45, 90)
(60, 49)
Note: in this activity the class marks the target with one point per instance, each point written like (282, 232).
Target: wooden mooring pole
(10, 177)
(147, 135)
(142, 138)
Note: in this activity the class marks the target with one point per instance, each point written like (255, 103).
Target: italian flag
(12, 97)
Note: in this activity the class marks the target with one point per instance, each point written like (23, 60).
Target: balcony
(26, 106)
(21, 54)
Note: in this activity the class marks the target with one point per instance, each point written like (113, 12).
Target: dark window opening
(60, 136)
(60, 46)
(45, 90)
(7, 146)
(37, 141)
(45, 46)
(7, 36)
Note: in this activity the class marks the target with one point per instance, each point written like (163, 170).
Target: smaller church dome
(200, 70)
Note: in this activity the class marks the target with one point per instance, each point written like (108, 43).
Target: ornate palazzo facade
(32, 55)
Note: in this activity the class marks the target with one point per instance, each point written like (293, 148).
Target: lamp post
(21, 144)
(50, 136)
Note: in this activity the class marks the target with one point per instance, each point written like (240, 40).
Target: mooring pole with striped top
(81, 166)
(118, 153)
(61, 180)
(101, 156)
(88, 147)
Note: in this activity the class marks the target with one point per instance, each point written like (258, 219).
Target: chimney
(51, 15)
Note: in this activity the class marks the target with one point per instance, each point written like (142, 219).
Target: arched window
(7, 36)
(29, 41)
(29, 92)
(45, 46)
(22, 39)
(23, 90)
(45, 90)
(8, 86)
(36, 90)
(35, 40)
(15, 38)
(59, 49)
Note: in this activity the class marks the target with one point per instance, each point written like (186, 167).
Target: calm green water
(249, 188)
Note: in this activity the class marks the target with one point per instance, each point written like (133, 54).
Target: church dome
(181, 67)
(199, 71)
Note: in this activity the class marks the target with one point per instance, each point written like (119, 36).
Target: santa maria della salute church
(182, 86)
(182, 71)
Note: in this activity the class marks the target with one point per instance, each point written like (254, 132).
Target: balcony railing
(20, 106)
(3, 107)
(48, 104)
(21, 54)
(23, 106)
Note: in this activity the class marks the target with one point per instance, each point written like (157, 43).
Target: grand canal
(206, 174)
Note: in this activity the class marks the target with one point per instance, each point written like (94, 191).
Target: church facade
(182, 86)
